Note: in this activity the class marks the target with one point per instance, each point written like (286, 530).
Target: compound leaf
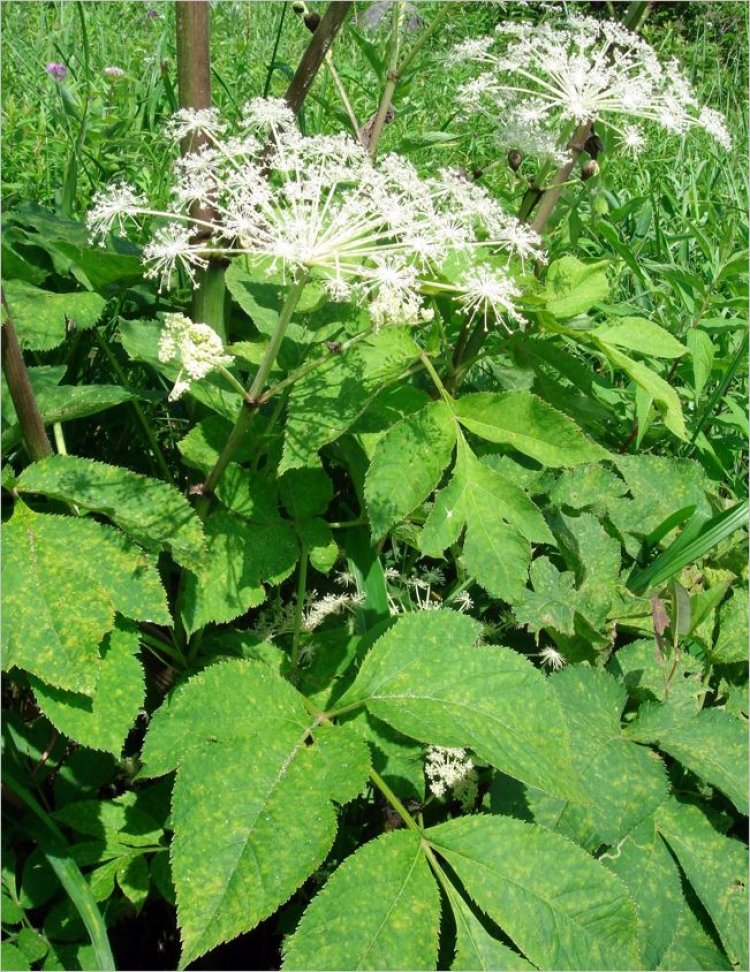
(379, 910)
(41, 318)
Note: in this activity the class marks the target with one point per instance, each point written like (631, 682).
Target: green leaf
(716, 867)
(42, 318)
(306, 492)
(104, 720)
(711, 743)
(134, 880)
(240, 558)
(248, 493)
(732, 639)
(475, 947)
(55, 613)
(639, 334)
(427, 679)
(643, 863)
(562, 909)
(701, 349)
(551, 603)
(379, 910)
(61, 404)
(501, 522)
(32, 944)
(327, 401)
(645, 673)
(230, 868)
(321, 547)
(693, 947)
(155, 513)
(423, 444)
(666, 398)
(200, 448)
(528, 424)
(573, 287)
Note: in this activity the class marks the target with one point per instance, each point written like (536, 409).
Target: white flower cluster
(197, 347)
(376, 233)
(446, 769)
(536, 77)
(272, 623)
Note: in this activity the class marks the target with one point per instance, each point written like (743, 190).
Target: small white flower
(485, 292)
(187, 121)
(169, 248)
(552, 658)
(446, 767)
(268, 113)
(197, 347)
(463, 601)
(110, 208)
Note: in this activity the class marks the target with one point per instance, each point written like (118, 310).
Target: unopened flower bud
(311, 21)
(589, 170)
(515, 158)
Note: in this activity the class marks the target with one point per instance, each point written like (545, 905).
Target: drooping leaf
(379, 910)
(624, 783)
(716, 867)
(41, 317)
(562, 909)
(229, 868)
(476, 949)
(711, 743)
(642, 335)
(153, 512)
(426, 678)
(573, 287)
(240, 558)
(663, 394)
(104, 720)
(423, 443)
(527, 423)
(643, 863)
(326, 402)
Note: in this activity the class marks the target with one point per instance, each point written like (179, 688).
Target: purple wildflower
(56, 71)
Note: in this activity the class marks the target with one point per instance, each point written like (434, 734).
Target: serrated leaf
(41, 317)
(649, 676)
(596, 559)
(422, 442)
(228, 866)
(321, 547)
(200, 448)
(248, 493)
(640, 334)
(552, 601)
(692, 946)
(624, 783)
(665, 397)
(476, 949)
(528, 424)
(500, 521)
(379, 910)
(732, 638)
(134, 880)
(155, 513)
(562, 909)
(712, 743)
(104, 720)
(326, 402)
(306, 492)
(396, 757)
(54, 617)
(573, 287)
(643, 863)
(240, 558)
(716, 867)
(701, 349)
(427, 679)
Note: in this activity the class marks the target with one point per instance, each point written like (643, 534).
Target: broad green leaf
(624, 782)
(153, 512)
(398, 759)
(42, 379)
(643, 863)
(104, 720)
(639, 334)
(501, 522)
(552, 601)
(379, 910)
(426, 677)
(701, 349)
(32, 944)
(716, 867)
(528, 424)
(229, 866)
(306, 493)
(649, 676)
(423, 445)
(327, 401)
(125, 821)
(66, 402)
(42, 318)
(200, 448)
(55, 612)
(573, 287)
(248, 493)
(475, 947)
(711, 743)
(240, 558)
(665, 397)
(692, 947)
(562, 909)
(133, 879)
(587, 487)
(260, 300)
(321, 547)
(732, 638)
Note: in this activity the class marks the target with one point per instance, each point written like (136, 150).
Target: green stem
(300, 604)
(436, 379)
(394, 801)
(391, 78)
(445, 9)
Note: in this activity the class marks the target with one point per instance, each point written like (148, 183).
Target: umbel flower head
(536, 77)
(197, 348)
(378, 234)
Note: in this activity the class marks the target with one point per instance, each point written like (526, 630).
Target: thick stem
(250, 405)
(29, 417)
(209, 298)
(550, 197)
(316, 51)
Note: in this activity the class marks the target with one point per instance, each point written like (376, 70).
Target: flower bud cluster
(197, 348)
(537, 77)
(375, 233)
(447, 768)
